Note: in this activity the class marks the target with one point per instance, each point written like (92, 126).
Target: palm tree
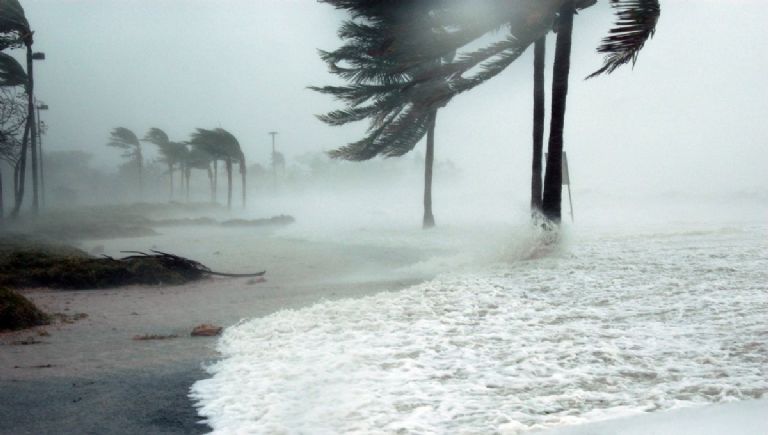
(636, 24)
(13, 120)
(127, 141)
(172, 153)
(389, 65)
(222, 145)
(396, 123)
(198, 158)
(15, 31)
(540, 47)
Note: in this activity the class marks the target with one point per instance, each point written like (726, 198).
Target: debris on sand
(206, 330)
(36, 266)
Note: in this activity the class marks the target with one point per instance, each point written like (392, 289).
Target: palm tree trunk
(215, 180)
(210, 181)
(187, 173)
(553, 180)
(20, 174)
(243, 177)
(181, 178)
(229, 182)
(539, 96)
(170, 179)
(140, 166)
(429, 218)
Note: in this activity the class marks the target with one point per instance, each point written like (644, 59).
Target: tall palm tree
(127, 141)
(396, 123)
(540, 48)
(15, 31)
(396, 88)
(636, 24)
(13, 116)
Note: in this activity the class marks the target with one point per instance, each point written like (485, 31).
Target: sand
(90, 376)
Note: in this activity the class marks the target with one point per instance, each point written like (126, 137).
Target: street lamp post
(34, 130)
(274, 158)
(41, 106)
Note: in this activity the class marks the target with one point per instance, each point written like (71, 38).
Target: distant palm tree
(172, 153)
(222, 145)
(198, 158)
(127, 141)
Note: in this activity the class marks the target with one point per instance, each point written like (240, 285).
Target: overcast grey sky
(691, 116)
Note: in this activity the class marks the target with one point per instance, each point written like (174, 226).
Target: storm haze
(687, 119)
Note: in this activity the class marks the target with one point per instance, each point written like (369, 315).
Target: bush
(17, 312)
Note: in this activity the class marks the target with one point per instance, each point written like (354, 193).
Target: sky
(690, 117)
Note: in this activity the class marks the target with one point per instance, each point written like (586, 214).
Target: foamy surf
(615, 326)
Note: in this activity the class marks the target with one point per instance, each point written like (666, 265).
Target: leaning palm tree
(198, 158)
(222, 145)
(395, 125)
(14, 32)
(12, 75)
(127, 141)
(407, 88)
(173, 154)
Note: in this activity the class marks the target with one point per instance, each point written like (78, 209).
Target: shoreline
(90, 376)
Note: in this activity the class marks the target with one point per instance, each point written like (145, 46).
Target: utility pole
(274, 167)
(41, 106)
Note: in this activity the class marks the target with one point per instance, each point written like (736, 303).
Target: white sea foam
(612, 325)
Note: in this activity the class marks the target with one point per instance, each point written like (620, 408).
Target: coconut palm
(222, 145)
(198, 158)
(408, 85)
(14, 32)
(127, 141)
(393, 130)
(173, 154)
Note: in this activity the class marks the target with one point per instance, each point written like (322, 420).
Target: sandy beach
(90, 376)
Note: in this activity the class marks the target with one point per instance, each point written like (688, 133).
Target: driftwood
(176, 262)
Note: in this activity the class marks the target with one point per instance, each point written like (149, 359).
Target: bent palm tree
(127, 141)
(222, 145)
(396, 88)
(14, 32)
(198, 158)
(172, 153)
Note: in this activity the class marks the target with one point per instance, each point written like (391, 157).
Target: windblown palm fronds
(14, 27)
(11, 72)
(636, 24)
(403, 61)
(124, 139)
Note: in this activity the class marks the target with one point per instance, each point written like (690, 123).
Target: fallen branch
(177, 262)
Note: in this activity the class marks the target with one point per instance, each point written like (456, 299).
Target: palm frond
(11, 72)
(13, 19)
(635, 25)
(124, 138)
(156, 136)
